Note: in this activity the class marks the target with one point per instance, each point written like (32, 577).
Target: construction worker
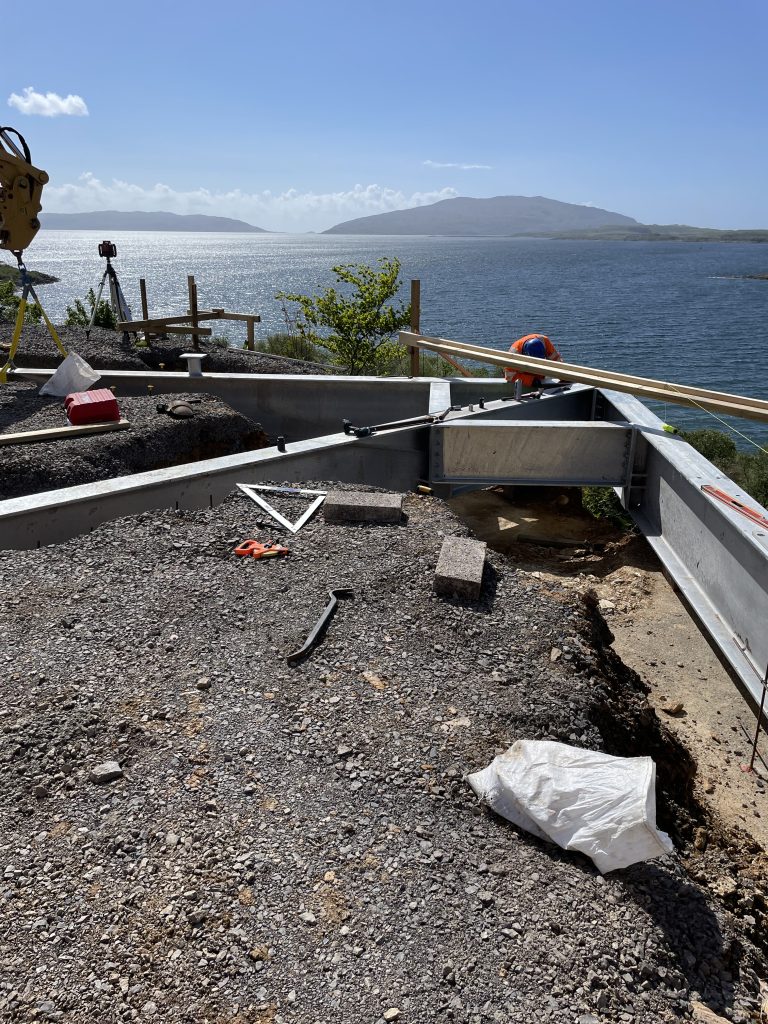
(540, 347)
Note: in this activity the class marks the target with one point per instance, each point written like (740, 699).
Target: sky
(294, 116)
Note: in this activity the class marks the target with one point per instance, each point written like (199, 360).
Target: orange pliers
(255, 549)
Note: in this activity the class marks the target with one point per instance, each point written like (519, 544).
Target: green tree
(10, 302)
(79, 316)
(356, 326)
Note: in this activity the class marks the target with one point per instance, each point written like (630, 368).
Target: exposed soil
(298, 844)
(684, 682)
(653, 634)
(154, 440)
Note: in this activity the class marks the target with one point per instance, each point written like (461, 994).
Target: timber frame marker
(189, 323)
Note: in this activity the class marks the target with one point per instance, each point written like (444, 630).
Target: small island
(9, 273)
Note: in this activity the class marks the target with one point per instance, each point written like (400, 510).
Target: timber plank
(59, 433)
(245, 317)
(644, 387)
(158, 323)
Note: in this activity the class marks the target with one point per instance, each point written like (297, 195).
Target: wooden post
(192, 288)
(144, 308)
(415, 317)
(250, 343)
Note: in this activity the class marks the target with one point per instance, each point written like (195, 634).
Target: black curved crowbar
(321, 625)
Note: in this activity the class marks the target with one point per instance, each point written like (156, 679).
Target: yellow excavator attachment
(21, 185)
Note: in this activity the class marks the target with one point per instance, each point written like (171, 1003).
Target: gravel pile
(153, 441)
(192, 831)
(106, 350)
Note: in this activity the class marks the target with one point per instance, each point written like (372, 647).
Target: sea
(676, 311)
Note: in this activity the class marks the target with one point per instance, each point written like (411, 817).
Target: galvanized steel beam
(550, 453)
(715, 556)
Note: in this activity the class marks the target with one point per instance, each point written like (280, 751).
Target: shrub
(431, 365)
(714, 445)
(356, 326)
(293, 346)
(78, 316)
(603, 503)
(749, 471)
(10, 302)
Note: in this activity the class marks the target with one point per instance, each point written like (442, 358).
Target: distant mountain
(502, 215)
(115, 220)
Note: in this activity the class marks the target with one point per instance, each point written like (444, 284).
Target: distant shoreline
(143, 220)
(10, 273)
(726, 236)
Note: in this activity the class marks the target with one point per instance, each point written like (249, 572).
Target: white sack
(582, 800)
(74, 374)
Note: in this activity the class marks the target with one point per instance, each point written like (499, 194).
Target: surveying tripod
(26, 291)
(116, 297)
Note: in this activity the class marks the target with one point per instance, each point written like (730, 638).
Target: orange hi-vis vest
(530, 379)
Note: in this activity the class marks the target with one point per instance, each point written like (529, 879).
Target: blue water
(675, 311)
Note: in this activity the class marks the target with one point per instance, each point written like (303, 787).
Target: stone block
(110, 771)
(459, 571)
(362, 507)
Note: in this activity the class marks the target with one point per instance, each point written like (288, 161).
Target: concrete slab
(362, 507)
(459, 571)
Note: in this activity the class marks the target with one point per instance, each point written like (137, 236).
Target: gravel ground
(153, 441)
(227, 360)
(106, 350)
(298, 844)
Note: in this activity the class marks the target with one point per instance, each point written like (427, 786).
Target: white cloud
(590, 203)
(277, 211)
(458, 167)
(48, 104)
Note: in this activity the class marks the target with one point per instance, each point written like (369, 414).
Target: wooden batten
(59, 433)
(643, 387)
(157, 324)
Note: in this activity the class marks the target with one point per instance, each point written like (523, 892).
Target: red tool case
(97, 406)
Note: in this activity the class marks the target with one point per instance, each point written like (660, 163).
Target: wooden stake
(751, 765)
(251, 342)
(192, 288)
(415, 320)
(144, 308)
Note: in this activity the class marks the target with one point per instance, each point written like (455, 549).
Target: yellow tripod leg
(14, 340)
(52, 332)
(48, 324)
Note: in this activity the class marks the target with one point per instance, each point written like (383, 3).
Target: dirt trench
(658, 690)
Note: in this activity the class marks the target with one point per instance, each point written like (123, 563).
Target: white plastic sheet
(74, 374)
(582, 800)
